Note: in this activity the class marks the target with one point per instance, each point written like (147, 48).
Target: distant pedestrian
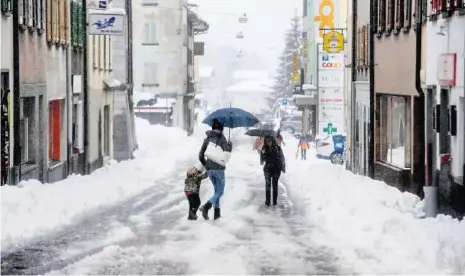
(273, 158)
(304, 145)
(191, 189)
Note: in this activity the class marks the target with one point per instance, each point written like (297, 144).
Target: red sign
(446, 70)
(331, 100)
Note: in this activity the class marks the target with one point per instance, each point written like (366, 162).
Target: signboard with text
(106, 24)
(330, 79)
(328, 61)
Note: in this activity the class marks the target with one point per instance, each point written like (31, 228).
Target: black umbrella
(257, 132)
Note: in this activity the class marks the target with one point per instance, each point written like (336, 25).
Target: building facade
(57, 69)
(6, 67)
(33, 89)
(445, 97)
(100, 105)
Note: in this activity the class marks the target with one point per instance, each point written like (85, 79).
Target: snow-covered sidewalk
(32, 209)
(375, 227)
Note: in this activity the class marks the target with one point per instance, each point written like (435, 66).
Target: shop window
(54, 130)
(27, 130)
(394, 131)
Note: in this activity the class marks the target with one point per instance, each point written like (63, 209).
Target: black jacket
(273, 157)
(217, 138)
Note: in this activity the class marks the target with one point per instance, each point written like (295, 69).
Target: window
(150, 33)
(109, 53)
(54, 130)
(408, 14)
(399, 15)
(93, 38)
(99, 51)
(77, 26)
(382, 16)
(390, 15)
(460, 4)
(63, 22)
(40, 16)
(27, 134)
(444, 124)
(375, 15)
(53, 21)
(21, 12)
(29, 13)
(106, 130)
(105, 52)
(394, 131)
(7, 7)
(150, 73)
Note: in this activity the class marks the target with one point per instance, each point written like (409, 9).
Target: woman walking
(215, 170)
(273, 158)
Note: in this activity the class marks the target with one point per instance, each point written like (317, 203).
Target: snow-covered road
(131, 218)
(149, 234)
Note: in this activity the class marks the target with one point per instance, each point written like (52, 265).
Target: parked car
(291, 124)
(331, 147)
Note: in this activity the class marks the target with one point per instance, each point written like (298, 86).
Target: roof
(199, 25)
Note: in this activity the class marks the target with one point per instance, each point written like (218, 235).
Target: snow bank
(31, 208)
(375, 226)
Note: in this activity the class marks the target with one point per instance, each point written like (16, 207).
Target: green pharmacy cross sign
(329, 129)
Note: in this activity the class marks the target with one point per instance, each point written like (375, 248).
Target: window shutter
(40, 17)
(104, 52)
(30, 10)
(81, 26)
(382, 16)
(21, 12)
(49, 27)
(408, 13)
(35, 13)
(61, 21)
(375, 15)
(54, 20)
(109, 53)
(66, 21)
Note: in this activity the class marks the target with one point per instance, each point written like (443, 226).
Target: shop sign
(330, 78)
(333, 42)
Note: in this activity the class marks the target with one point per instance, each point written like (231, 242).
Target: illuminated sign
(331, 65)
(325, 16)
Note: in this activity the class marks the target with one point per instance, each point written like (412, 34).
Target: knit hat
(217, 125)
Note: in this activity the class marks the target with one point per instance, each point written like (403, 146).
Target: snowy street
(135, 220)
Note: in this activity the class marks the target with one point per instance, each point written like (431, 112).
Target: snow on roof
(205, 71)
(251, 75)
(250, 86)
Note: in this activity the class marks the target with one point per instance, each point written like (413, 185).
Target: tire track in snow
(46, 252)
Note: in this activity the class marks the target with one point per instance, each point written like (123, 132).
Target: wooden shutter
(109, 53)
(54, 130)
(366, 39)
(382, 16)
(54, 17)
(408, 13)
(61, 22)
(104, 52)
(7, 6)
(81, 25)
(49, 27)
(30, 12)
(390, 15)
(375, 15)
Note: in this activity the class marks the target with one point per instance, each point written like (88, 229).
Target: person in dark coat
(273, 158)
(191, 189)
(215, 171)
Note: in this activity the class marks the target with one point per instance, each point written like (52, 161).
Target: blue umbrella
(232, 117)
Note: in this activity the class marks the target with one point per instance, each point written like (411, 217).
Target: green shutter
(73, 24)
(80, 26)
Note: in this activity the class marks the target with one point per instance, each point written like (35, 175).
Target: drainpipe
(420, 172)
(371, 140)
(16, 169)
(85, 92)
(130, 75)
(354, 79)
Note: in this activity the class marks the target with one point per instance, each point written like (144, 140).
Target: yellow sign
(295, 62)
(325, 16)
(333, 42)
(295, 77)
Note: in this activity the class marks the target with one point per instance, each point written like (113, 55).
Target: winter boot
(217, 214)
(192, 215)
(204, 209)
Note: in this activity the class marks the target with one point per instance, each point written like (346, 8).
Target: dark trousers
(271, 179)
(194, 201)
(304, 154)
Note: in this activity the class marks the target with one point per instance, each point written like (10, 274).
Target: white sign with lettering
(330, 78)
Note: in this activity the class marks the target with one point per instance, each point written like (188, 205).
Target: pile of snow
(31, 208)
(374, 226)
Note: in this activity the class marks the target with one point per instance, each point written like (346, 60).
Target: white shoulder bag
(216, 154)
